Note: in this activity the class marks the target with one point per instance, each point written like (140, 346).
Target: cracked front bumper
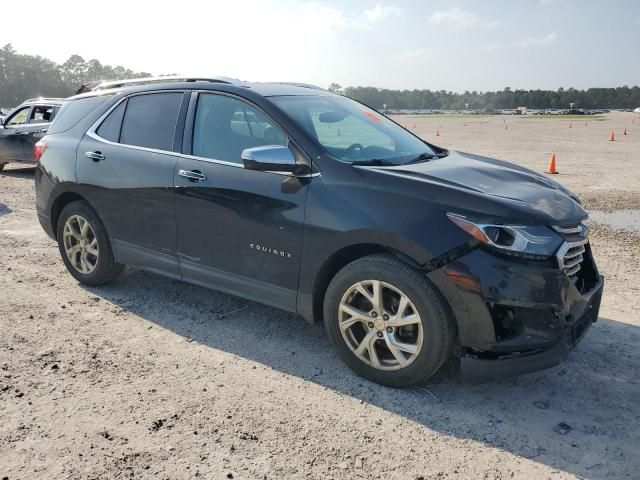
(514, 316)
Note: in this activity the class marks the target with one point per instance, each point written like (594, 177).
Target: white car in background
(637, 110)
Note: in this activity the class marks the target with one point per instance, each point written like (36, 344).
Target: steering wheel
(352, 149)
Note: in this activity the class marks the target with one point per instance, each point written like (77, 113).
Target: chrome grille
(571, 253)
(570, 257)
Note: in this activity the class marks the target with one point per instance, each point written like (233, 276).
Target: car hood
(481, 186)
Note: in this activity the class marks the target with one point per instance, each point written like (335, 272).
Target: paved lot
(152, 378)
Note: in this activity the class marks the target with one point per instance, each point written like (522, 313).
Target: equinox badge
(262, 248)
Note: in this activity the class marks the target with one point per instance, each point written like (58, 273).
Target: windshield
(353, 132)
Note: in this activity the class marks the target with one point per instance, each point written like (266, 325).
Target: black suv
(21, 129)
(314, 203)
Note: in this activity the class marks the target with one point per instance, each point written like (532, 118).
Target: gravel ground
(153, 378)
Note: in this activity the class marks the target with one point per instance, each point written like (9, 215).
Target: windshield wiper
(427, 156)
(375, 162)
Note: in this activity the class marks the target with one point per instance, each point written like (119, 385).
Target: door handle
(95, 156)
(192, 175)
(43, 130)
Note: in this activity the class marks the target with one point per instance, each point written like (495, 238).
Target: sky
(438, 45)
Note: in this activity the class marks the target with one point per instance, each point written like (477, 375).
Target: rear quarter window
(73, 111)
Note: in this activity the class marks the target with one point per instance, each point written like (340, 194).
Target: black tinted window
(225, 126)
(75, 110)
(150, 120)
(110, 127)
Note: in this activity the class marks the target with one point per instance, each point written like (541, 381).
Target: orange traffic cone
(414, 126)
(612, 137)
(437, 132)
(625, 131)
(552, 165)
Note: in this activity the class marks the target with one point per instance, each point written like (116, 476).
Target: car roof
(227, 84)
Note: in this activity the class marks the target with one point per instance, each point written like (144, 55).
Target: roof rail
(104, 84)
(44, 99)
(303, 85)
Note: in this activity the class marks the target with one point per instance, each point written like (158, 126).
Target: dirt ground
(153, 378)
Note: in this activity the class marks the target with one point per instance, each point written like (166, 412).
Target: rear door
(126, 166)
(11, 135)
(40, 117)
(239, 230)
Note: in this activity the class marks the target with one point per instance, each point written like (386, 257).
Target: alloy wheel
(380, 324)
(81, 244)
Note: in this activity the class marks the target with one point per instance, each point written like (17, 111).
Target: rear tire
(399, 341)
(2, 166)
(84, 245)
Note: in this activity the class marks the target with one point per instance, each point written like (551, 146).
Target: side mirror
(272, 158)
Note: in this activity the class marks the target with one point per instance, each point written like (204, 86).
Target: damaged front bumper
(477, 367)
(516, 316)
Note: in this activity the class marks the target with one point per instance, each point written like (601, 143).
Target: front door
(239, 230)
(11, 136)
(126, 168)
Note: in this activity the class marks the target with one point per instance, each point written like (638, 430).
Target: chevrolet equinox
(314, 203)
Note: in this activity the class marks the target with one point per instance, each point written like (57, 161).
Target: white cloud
(380, 12)
(536, 41)
(459, 19)
(412, 53)
(317, 13)
(491, 47)
(332, 18)
(491, 24)
(455, 17)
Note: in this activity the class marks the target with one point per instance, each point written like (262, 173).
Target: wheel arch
(339, 260)
(61, 201)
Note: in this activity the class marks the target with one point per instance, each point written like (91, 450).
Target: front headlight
(523, 241)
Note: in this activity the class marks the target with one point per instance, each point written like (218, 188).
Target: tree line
(25, 76)
(592, 98)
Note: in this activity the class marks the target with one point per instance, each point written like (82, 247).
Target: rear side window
(110, 127)
(150, 120)
(73, 111)
(41, 114)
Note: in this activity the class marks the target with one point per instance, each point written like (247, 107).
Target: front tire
(2, 166)
(84, 245)
(387, 322)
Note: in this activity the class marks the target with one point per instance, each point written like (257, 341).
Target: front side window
(225, 126)
(41, 114)
(150, 120)
(351, 131)
(18, 118)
